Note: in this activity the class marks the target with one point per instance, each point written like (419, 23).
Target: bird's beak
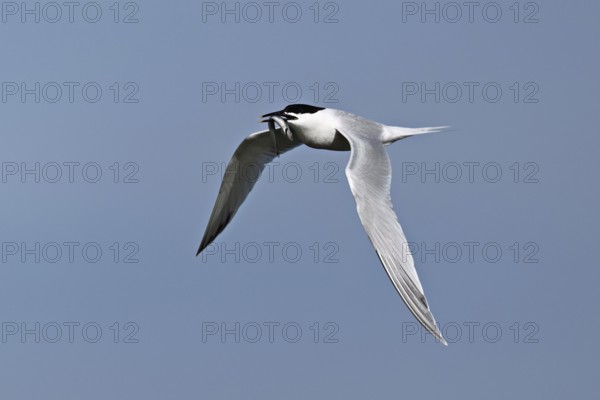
(267, 117)
(281, 114)
(276, 113)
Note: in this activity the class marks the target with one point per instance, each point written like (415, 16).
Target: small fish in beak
(282, 122)
(279, 118)
(272, 129)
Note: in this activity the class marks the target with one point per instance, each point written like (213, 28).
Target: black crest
(302, 109)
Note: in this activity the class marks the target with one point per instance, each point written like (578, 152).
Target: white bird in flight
(369, 175)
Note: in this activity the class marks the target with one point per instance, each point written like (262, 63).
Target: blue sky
(115, 127)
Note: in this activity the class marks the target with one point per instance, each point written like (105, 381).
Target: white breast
(317, 129)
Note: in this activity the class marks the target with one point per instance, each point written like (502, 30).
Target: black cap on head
(302, 109)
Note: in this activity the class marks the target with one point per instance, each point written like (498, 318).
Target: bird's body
(368, 173)
(320, 130)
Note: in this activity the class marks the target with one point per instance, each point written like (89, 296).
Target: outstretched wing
(242, 172)
(369, 175)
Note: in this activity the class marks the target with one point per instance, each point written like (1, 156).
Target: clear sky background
(507, 261)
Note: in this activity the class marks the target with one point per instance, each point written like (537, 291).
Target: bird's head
(294, 115)
(293, 112)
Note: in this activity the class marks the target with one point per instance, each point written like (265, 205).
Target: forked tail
(393, 133)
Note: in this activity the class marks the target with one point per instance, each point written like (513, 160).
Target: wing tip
(435, 331)
(204, 244)
(440, 338)
(433, 328)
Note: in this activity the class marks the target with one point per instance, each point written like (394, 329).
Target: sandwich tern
(369, 175)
